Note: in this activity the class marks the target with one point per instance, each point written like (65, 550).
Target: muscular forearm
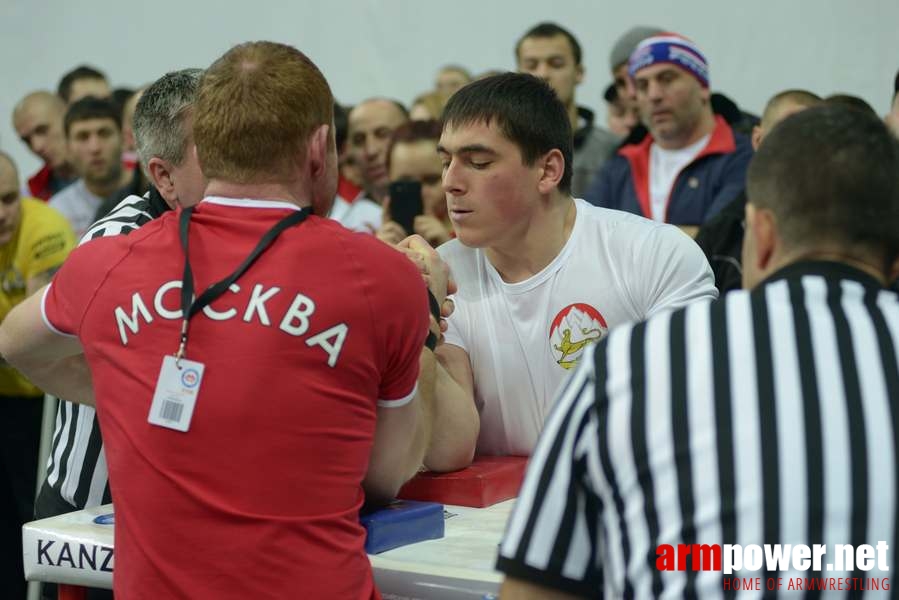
(52, 362)
(456, 426)
(401, 438)
(426, 400)
(68, 378)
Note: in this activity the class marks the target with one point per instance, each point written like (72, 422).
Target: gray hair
(159, 127)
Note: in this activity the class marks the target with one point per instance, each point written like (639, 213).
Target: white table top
(74, 549)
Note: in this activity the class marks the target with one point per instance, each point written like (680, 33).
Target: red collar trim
(347, 190)
(39, 183)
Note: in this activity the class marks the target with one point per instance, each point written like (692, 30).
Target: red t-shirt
(260, 498)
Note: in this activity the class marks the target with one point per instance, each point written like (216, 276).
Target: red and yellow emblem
(574, 328)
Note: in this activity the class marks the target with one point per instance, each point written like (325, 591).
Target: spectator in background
(621, 51)
(94, 137)
(38, 120)
(721, 237)
(34, 242)
(740, 120)
(692, 163)
(82, 82)
(450, 79)
(351, 208)
(120, 96)
(851, 101)
(371, 125)
(892, 118)
(412, 156)
(553, 54)
(349, 170)
(620, 119)
(129, 146)
(428, 106)
(138, 184)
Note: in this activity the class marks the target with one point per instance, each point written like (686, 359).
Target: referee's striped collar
(249, 203)
(824, 268)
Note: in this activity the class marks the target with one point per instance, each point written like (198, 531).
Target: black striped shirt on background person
(764, 417)
(77, 475)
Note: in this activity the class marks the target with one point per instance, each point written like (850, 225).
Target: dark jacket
(721, 239)
(705, 186)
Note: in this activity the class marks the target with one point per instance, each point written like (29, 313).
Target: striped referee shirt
(767, 417)
(76, 468)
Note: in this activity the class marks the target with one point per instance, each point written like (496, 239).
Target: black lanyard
(190, 305)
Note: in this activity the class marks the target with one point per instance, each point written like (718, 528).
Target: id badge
(176, 393)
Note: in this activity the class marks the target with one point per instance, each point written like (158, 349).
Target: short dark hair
(852, 102)
(524, 108)
(830, 174)
(120, 97)
(548, 30)
(92, 108)
(341, 124)
(414, 131)
(803, 98)
(81, 72)
(611, 94)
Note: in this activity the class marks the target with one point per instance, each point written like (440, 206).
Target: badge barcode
(171, 411)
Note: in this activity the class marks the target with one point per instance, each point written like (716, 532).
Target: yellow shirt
(42, 241)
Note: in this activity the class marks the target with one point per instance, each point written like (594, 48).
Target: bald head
(40, 98)
(371, 126)
(38, 120)
(7, 166)
(9, 199)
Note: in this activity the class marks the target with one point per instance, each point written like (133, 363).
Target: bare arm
(518, 589)
(401, 437)
(456, 420)
(50, 361)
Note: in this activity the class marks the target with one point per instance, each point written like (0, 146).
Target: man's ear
(894, 271)
(552, 169)
(317, 151)
(579, 72)
(756, 137)
(160, 173)
(762, 226)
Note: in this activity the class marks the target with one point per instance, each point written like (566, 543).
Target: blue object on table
(400, 523)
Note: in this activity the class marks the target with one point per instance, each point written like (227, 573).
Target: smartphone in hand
(405, 203)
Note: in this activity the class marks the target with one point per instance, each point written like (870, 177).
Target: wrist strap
(431, 340)
(434, 305)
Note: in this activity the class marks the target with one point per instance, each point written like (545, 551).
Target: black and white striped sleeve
(128, 215)
(552, 535)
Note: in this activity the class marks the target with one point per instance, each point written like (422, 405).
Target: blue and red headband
(673, 49)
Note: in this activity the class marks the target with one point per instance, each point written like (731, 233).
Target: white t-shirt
(522, 338)
(664, 167)
(359, 215)
(78, 204)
